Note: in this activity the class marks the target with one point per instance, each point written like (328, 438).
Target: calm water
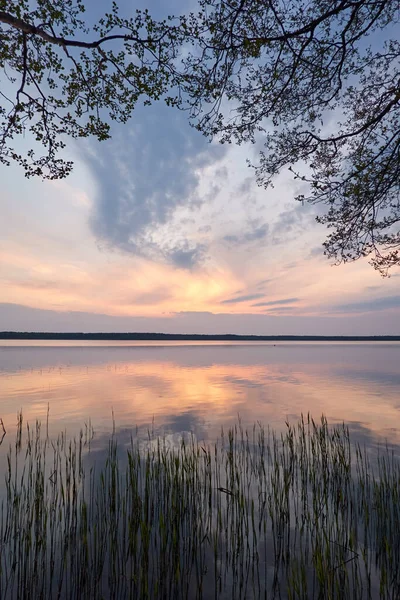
(175, 387)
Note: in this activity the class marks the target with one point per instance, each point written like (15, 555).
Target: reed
(303, 514)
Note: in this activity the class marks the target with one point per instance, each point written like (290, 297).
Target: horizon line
(186, 336)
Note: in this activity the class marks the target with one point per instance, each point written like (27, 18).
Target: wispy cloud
(246, 186)
(261, 284)
(316, 252)
(376, 304)
(277, 302)
(255, 232)
(280, 309)
(292, 221)
(242, 299)
(150, 298)
(32, 284)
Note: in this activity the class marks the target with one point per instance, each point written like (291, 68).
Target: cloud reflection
(202, 388)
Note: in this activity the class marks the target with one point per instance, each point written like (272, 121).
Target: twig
(4, 431)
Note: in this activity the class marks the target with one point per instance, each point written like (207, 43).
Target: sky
(160, 230)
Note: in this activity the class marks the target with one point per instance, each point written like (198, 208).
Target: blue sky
(158, 229)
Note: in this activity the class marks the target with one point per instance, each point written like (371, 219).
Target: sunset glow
(156, 223)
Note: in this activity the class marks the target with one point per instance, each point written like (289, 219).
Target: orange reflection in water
(197, 396)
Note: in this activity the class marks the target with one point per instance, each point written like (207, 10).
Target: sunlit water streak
(198, 387)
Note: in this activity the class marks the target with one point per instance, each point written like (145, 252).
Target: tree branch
(30, 29)
(309, 28)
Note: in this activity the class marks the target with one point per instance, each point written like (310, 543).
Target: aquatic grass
(301, 514)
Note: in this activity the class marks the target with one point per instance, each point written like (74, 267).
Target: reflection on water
(243, 526)
(252, 516)
(182, 387)
(201, 387)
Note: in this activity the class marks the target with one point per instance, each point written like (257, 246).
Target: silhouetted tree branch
(319, 84)
(57, 83)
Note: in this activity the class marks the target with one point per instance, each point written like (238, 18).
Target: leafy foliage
(56, 85)
(319, 83)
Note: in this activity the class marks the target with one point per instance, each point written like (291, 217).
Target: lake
(239, 514)
(174, 387)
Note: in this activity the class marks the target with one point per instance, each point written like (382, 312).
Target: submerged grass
(302, 514)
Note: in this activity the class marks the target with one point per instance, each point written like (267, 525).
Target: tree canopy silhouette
(316, 82)
(62, 78)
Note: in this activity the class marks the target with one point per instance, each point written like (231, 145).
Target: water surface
(189, 391)
(176, 387)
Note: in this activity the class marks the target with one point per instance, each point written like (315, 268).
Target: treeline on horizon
(43, 335)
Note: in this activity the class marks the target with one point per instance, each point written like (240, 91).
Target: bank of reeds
(254, 515)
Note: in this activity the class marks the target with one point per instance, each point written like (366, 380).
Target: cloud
(222, 173)
(186, 256)
(22, 318)
(246, 186)
(316, 252)
(150, 298)
(292, 221)
(242, 299)
(147, 171)
(376, 304)
(254, 233)
(276, 302)
(263, 282)
(280, 309)
(31, 284)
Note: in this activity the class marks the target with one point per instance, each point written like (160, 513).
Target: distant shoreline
(37, 335)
